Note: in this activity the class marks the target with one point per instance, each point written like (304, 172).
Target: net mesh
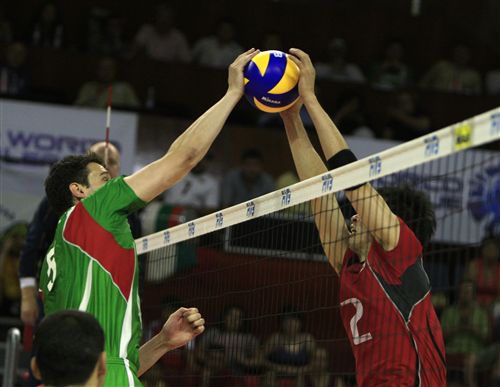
(272, 301)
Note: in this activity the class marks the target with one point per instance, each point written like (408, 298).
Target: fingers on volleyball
(271, 81)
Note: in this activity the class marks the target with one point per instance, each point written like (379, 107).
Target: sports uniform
(387, 312)
(92, 266)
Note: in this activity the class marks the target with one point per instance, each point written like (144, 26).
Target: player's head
(359, 236)
(251, 164)
(74, 178)
(466, 292)
(411, 205)
(69, 350)
(291, 321)
(414, 207)
(490, 248)
(113, 163)
(233, 318)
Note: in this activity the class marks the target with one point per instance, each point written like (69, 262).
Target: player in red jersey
(385, 298)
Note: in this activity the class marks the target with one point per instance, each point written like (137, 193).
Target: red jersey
(387, 313)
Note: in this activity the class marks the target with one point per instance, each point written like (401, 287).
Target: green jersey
(92, 266)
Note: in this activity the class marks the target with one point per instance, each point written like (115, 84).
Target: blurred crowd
(161, 39)
(468, 302)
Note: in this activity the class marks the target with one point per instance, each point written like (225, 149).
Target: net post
(11, 357)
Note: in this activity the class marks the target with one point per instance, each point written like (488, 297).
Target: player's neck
(362, 252)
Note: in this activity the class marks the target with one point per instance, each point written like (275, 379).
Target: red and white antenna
(108, 124)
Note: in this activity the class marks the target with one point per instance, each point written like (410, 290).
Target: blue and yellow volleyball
(271, 81)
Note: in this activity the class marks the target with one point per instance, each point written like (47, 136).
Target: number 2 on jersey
(356, 338)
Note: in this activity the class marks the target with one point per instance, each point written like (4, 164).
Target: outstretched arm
(181, 327)
(371, 207)
(193, 144)
(328, 217)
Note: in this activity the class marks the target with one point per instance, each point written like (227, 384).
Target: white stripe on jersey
(127, 323)
(129, 373)
(88, 289)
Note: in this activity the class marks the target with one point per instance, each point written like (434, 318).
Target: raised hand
(235, 73)
(293, 111)
(307, 73)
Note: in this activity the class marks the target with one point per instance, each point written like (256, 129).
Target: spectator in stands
(69, 350)
(247, 181)
(405, 120)
(351, 117)
(486, 361)
(492, 82)
(10, 250)
(227, 350)
(288, 353)
(198, 190)
(14, 76)
(392, 72)
(106, 35)
(272, 41)
(156, 377)
(48, 30)
(219, 50)
(319, 374)
(161, 40)
(6, 35)
(484, 271)
(95, 93)
(465, 325)
(337, 68)
(456, 75)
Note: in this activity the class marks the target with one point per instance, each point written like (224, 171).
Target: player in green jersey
(92, 265)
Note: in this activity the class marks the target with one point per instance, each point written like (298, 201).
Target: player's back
(387, 313)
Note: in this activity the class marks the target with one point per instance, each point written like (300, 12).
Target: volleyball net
(259, 274)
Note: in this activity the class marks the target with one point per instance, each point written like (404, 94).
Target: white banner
(33, 132)
(465, 192)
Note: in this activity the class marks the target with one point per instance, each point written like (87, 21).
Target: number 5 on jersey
(356, 338)
(51, 268)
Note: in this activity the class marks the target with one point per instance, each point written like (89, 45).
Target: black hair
(67, 346)
(289, 311)
(414, 207)
(251, 153)
(71, 169)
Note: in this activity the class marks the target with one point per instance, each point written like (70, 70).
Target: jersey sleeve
(113, 200)
(405, 254)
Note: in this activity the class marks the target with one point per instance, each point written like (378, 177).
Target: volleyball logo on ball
(271, 81)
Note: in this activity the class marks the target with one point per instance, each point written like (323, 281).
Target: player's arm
(190, 147)
(372, 208)
(181, 327)
(328, 217)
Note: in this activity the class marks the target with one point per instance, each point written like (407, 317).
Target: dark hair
(251, 153)
(414, 207)
(67, 346)
(289, 311)
(71, 169)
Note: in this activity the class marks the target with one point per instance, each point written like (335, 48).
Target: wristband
(341, 158)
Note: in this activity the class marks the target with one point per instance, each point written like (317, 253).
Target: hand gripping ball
(271, 81)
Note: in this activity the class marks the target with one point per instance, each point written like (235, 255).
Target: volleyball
(271, 81)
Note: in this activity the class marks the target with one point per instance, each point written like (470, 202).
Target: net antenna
(108, 124)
